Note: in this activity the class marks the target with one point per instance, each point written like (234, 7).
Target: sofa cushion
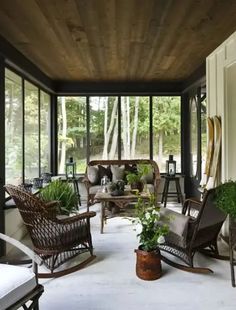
(93, 189)
(16, 282)
(93, 175)
(104, 171)
(178, 226)
(117, 173)
(148, 178)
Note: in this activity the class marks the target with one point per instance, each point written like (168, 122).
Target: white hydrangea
(161, 240)
(139, 228)
(155, 212)
(147, 215)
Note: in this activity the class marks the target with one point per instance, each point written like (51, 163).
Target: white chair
(19, 285)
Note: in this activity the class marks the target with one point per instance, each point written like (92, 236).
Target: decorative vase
(148, 264)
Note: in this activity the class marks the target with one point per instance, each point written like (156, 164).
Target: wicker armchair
(54, 240)
(198, 233)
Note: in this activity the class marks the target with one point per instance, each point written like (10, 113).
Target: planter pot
(148, 264)
(137, 185)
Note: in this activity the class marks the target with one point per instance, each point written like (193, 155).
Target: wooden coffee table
(120, 201)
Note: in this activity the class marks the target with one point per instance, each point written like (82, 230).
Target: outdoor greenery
(134, 177)
(35, 115)
(103, 128)
(226, 197)
(63, 192)
(150, 232)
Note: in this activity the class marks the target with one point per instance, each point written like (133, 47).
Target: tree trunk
(114, 141)
(128, 126)
(107, 133)
(64, 131)
(106, 138)
(124, 126)
(135, 130)
(160, 147)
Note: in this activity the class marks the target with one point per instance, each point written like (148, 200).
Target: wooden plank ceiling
(117, 40)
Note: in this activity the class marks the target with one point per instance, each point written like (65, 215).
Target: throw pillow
(104, 171)
(117, 173)
(93, 175)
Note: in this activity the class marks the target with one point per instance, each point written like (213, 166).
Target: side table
(166, 192)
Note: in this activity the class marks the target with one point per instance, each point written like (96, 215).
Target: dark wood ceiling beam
(118, 88)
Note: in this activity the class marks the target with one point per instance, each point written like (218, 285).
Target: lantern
(171, 166)
(70, 169)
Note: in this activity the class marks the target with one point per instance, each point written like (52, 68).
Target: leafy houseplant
(226, 198)
(117, 188)
(62, 192)
(150, 233)
(135, 178)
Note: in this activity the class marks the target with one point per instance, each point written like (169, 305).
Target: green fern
(63, 192)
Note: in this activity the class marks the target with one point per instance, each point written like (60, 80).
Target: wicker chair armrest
(52, 204)
(76, 218)
(52, 208)
(190, 204)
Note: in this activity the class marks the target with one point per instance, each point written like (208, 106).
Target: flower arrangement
(150, 231)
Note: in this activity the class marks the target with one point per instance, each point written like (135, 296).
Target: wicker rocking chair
(196, 234)
(54, 240)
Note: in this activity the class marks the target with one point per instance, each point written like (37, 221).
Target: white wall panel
(221, 100)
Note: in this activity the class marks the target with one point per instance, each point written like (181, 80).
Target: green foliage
(118, 185)
(148, 220)
(63, 192)
(226, 197)
(142, 170)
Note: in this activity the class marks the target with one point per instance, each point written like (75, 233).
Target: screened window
(103, 127)
(118, 125)
(193, 136)
(44, 132)
(72, 137)
(31, 131)
(13, 127)
(166, 130)
(135, 127)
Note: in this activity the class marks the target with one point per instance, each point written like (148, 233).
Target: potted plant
(226, 200)
(151, 233)
(117, 188)
(135, 178)
(62, 192)
(226, 197)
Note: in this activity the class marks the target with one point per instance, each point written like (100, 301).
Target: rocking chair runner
(197, 234)
(54, 240)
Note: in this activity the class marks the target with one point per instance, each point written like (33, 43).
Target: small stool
(166, 192)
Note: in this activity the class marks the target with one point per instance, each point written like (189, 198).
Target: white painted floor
(110, 282)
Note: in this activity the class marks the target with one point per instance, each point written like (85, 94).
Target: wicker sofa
(117, 169)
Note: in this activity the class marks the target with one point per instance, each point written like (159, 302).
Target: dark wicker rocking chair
(54, 240)
(200, 233)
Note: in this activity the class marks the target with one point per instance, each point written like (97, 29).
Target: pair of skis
(213, 155)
